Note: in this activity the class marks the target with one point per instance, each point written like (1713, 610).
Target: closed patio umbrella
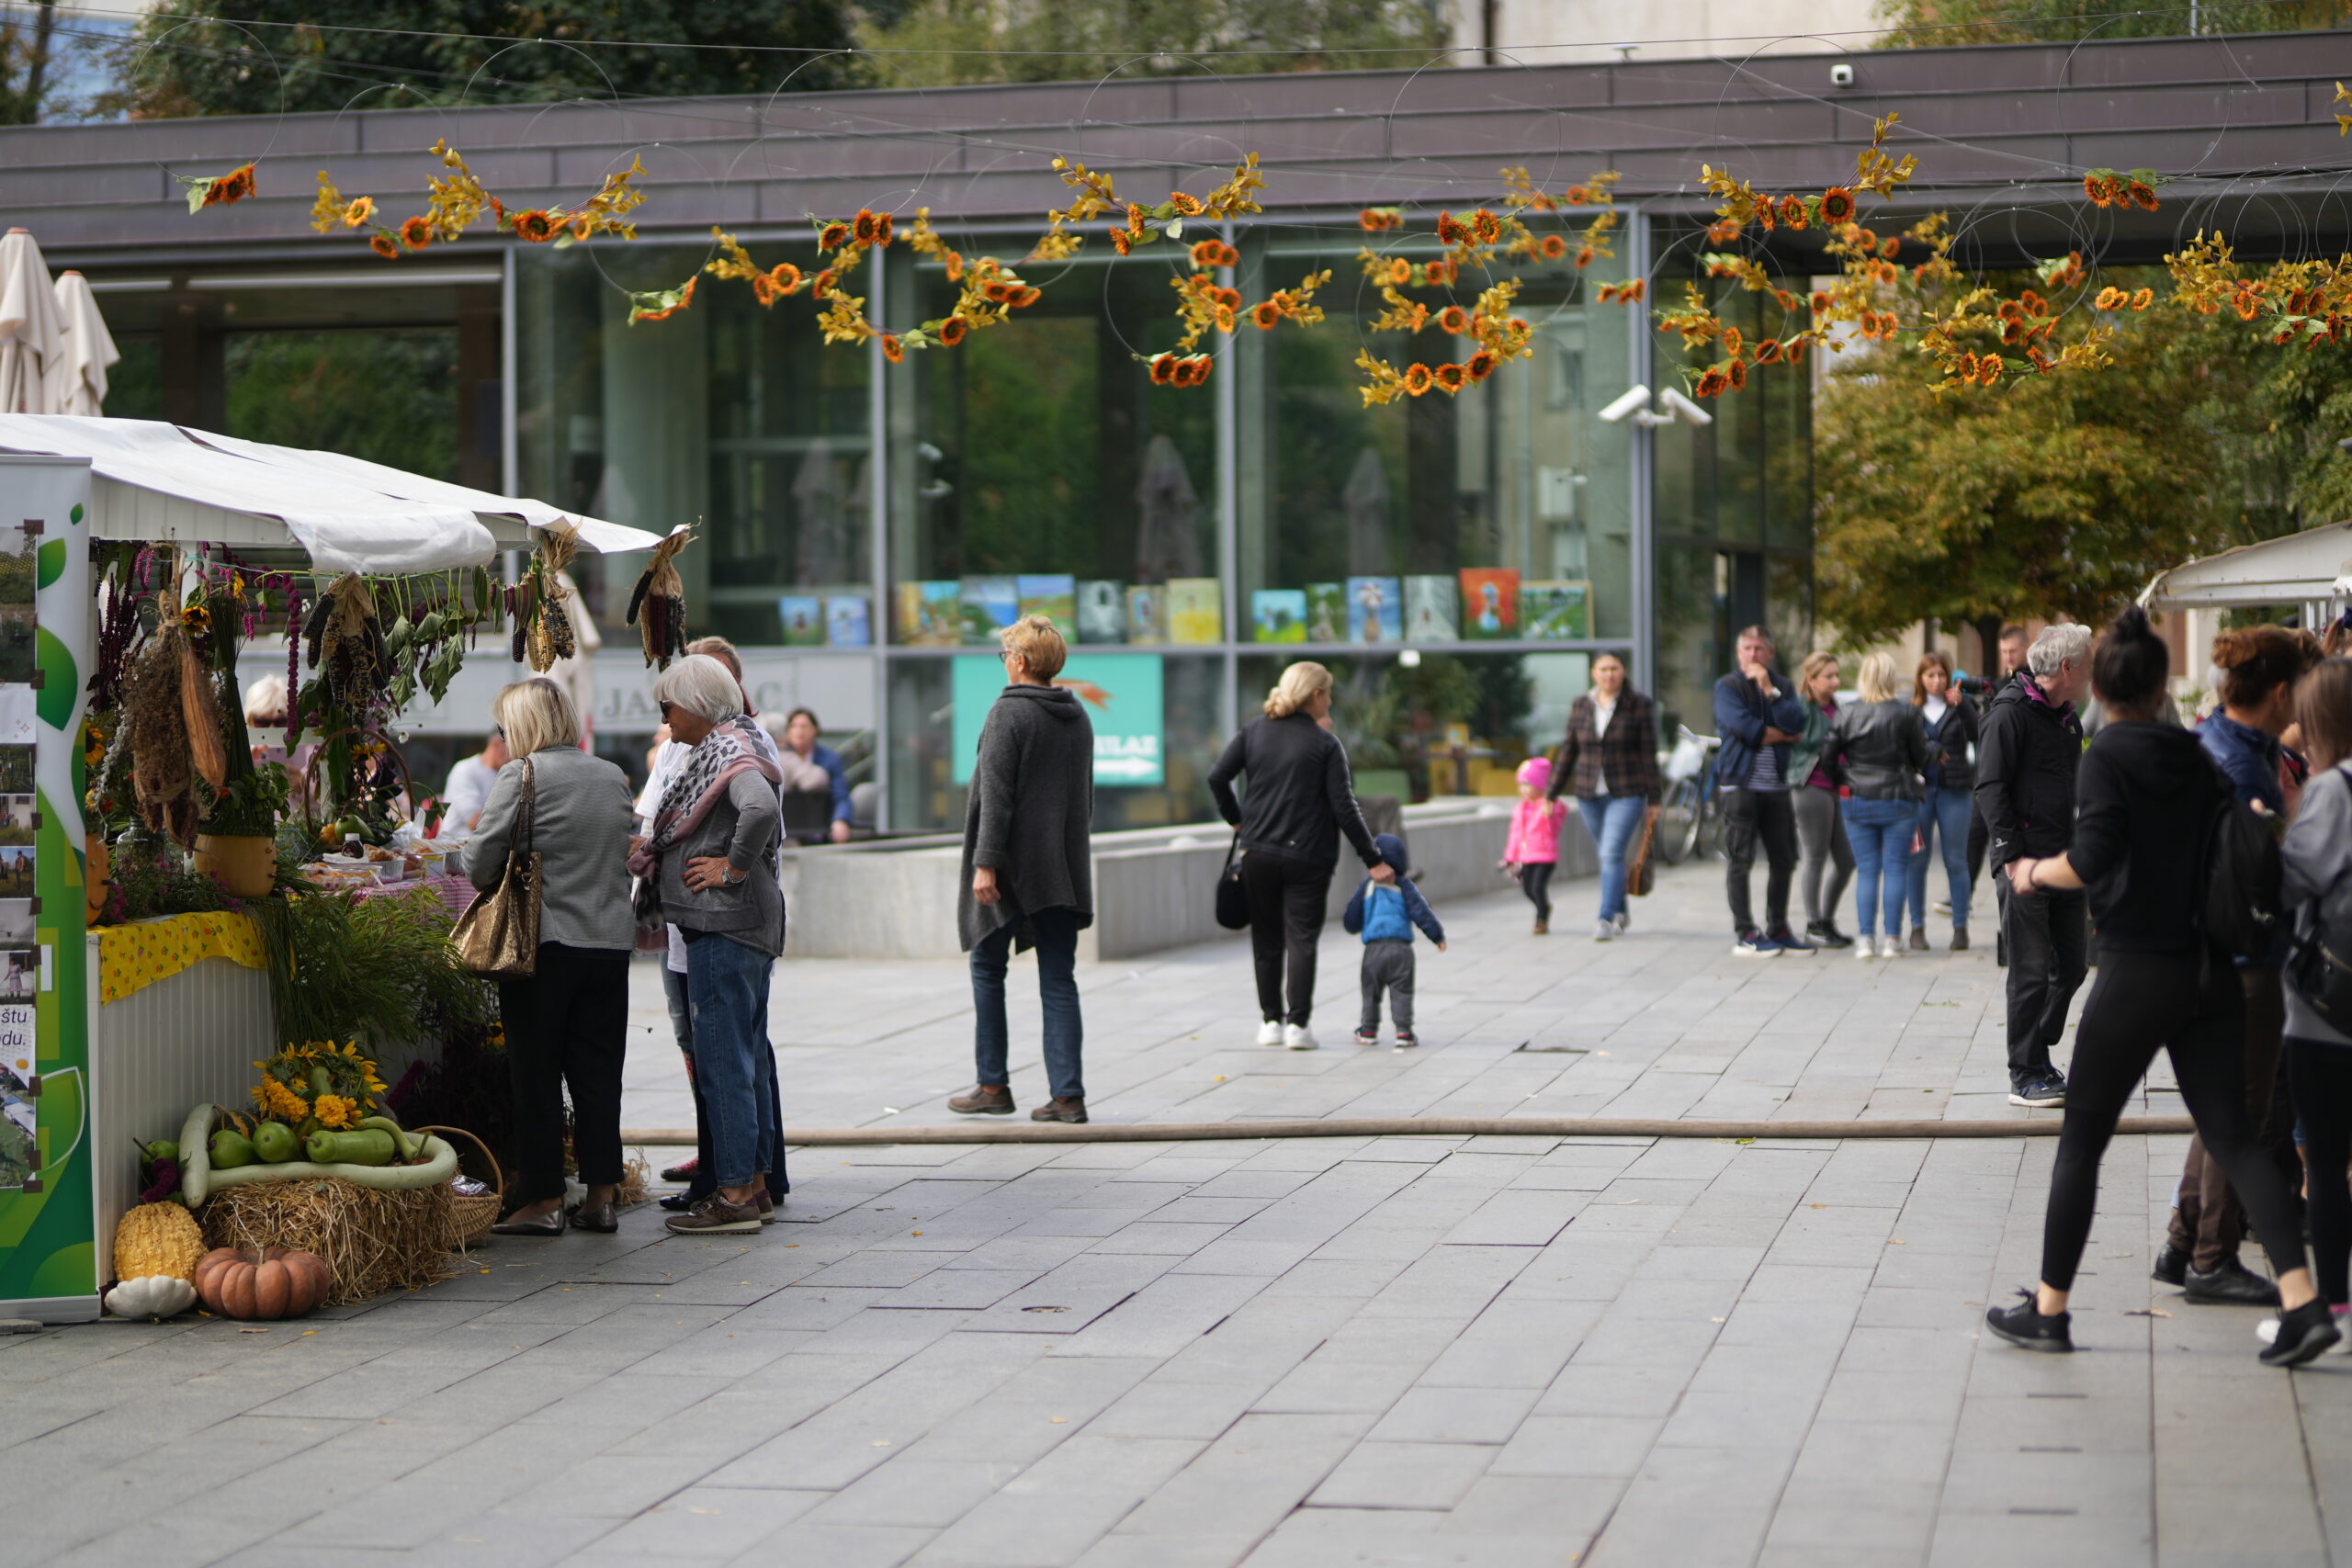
(89, 348)
(32, 344)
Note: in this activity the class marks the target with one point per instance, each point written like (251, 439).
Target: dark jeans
(1750, 815)
(1387, 968)
(2208, 1222)
(1944, 816)
(566, 1026)
(1056, 932)
(1286, 902)
(682, 1023)
(2322, 1074)
(2047, 938)
(1535, 880)
(734, 1064)
(2140, 1002)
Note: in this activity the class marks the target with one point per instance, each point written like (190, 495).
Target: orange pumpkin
(267, 1282)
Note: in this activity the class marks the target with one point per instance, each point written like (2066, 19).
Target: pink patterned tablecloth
(454, 892)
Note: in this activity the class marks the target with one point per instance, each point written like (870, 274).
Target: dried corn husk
(658, 607)
(156, 715)
(201, 711)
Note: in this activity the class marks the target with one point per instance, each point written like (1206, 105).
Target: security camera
(1630, 400)
(1841, 76)
(1680, 407)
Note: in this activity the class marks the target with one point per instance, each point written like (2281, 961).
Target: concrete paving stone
(1162, 1318)
(1071, 1295)
(905, 1489)
(1045, 1404)
(1486, 1415)
(836, 1546)
(1404, 1475)
(1571, 1510)
(1215, 1548)
(958, 1289)
(1160, 1234)
(2037, 1537)
(2115, 1486)
(1594, 1446)
(1304, 1541)
(1250, 1478)
(1196, 1410)
(1057, 1507)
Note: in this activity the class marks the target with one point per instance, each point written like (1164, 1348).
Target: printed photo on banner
(19, 1084)
(1124, 695)
(15, 606)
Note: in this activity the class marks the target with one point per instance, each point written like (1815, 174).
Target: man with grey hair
(2025, 758)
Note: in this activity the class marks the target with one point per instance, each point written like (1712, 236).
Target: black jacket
(1030, 812)
(2026, 759)
(1301, 796)
(1882, 749)
(1948, 763)
(2147, 798)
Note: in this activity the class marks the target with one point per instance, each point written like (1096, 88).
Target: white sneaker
(1623, 920)
(1297, 1037)
(1864, 948)
(1889, 948)
(1271, 1031)
(1605, 930)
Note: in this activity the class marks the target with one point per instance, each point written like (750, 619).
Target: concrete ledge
(1153, 889)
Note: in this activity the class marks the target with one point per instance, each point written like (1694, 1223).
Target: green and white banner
(48, 1247)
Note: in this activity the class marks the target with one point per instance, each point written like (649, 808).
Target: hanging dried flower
(1264, 314)
(1837, 205)
(1451, 378)
(1712, 382)
(952, 330)
(1419, 378)
(416, 233)
(1738, 375)
(385, 246)
(1454, 320)
(1206, 252)
(536, 227)
(891, 350)
(1480, 366)
(1553, 247)
(1184, 205)
(2141, 195)
(1792, 212)
(1120, 241)
(1163, 368)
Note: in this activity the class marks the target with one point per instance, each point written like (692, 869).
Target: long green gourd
(197, 1178)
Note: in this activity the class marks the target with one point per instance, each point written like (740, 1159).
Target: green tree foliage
(939, 42)
(2064, 494)
(27, 53)
(321, 55)
(390, 397)
(1918, 23)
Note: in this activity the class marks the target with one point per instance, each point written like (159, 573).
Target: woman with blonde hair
(1826, 859)
(1947, 801)
(1883, 747)
(1301, 799)
(565, 1025)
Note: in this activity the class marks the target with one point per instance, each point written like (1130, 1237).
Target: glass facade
(1457, 560)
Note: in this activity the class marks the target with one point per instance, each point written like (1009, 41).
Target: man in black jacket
(2011, 643)
(2025, 789)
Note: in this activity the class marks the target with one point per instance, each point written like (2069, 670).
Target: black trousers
(1535, 880)
(2196, 1010)
(2322, 1074)
(1751, 816)
(566, 1027)
(2208, 1221)
(2047, 938)
(1980, 837)
(1286, 902)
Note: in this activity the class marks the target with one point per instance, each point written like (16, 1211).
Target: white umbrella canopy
(89, 349)
(32, 336)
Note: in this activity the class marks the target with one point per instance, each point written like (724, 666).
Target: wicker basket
(471, 1215)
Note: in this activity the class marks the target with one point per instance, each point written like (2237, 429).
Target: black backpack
(2243, 900)
(2320, 966)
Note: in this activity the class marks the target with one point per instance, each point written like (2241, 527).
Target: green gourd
(231, 1149)
(274, 1143)
(408, 1145)
(369, 1145)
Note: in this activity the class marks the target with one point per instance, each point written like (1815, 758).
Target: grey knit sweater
(1030, 813)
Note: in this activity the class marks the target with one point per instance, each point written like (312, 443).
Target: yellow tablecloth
(133, 956)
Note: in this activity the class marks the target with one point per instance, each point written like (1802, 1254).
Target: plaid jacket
(1622, 763)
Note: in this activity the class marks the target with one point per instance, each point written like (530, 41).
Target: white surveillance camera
(1632, 400)
(1680, 407)
(1841, 76)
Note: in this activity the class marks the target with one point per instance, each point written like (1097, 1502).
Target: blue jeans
(727, 986)
(1943, 816)
(1880, 832)
(1612, 820)
(1056, 934)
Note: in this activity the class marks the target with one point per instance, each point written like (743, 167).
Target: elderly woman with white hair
(565, 1024)
(713, 863)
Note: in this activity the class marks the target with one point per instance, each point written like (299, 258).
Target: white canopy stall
(2312, 569)
(180, 1040)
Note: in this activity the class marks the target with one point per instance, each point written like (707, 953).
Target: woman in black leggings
(2316, 860)
(2145, 792)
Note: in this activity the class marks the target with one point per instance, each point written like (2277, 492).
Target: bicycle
(1689, 817)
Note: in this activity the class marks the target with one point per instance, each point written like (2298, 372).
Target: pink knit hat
(1536, 771)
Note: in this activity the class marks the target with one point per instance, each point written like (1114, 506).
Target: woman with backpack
(2316, 876)
(2144, 790)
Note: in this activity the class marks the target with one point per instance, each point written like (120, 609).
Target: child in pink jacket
(1533, 849)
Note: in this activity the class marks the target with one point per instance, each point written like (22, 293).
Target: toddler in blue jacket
(1387, 915)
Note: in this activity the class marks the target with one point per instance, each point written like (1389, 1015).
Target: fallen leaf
(2148, 1312)
(1895, 1244)
(251, 1329)
(1058, 1420)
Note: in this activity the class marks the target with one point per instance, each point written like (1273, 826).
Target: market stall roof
(2299, 569)
(164, 482)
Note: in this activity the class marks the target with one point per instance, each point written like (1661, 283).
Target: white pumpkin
(152, 1295)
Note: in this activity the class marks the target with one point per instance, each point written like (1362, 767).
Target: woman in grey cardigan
(1028, 868)
(565, 1024)
(713, 861)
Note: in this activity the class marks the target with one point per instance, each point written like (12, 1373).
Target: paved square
(1410, 1350)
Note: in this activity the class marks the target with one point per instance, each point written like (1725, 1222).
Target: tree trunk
(37, 70)
(1988, 644)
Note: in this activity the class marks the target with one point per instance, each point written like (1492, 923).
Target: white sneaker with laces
(1297, 1037)
(1864, 948)
(1271, 1031)
(1623, 920)
(1889, 948)
(1606, 931)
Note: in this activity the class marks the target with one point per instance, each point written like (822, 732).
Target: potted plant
(237, 842)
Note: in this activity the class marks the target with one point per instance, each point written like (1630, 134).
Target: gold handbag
(498, 936)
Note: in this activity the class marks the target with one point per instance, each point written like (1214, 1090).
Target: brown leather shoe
(1959, 942)
(985, 1099)
(1060, 1111)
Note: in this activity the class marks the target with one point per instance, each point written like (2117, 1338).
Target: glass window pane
(390, 397)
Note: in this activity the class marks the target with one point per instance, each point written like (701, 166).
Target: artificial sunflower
(881, 230)
(1580, 196)
(1738, 375)
(824, 283)
(385, 246)
(581, 225)
(1794, 352)
(1120, 241)
(1229, 297)
(1226, 255)
(1586, 256)
(2143, 196)
(891, 350)
(1163, 369)
(1712, 382)
(1454, 320)
(832, 236)
(1891, 248)
(952, 330)
(1479, 365)
(1485, 226)
(1837, 205)
(1451, 378)
(1205, 253)
(1134, 221)
(1450, 232)
(785, 276)
(862, 228)
(2142, 299)
(1553, 247)
(2095, 188)
(996, 290)
(1030, 294)
(1419, 378)
(417, 232)
(1185, 204)
(1820, 302)
(1264, 314)
(536, 227)
(1371, 221)
(1988, 370)
(1400, 272)
(1767, 351)
(1793, 216)
(2109, 299)
(358, 211)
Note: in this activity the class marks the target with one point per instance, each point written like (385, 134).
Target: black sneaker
(2172, 1266)
(1368, 1037)
(2024, 1326)
(1407, 1040)
(2304, 1333)
(1789, 941)
(2231, 1284)
(1822, 933)
(2041, 1091)
(1756, 945)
